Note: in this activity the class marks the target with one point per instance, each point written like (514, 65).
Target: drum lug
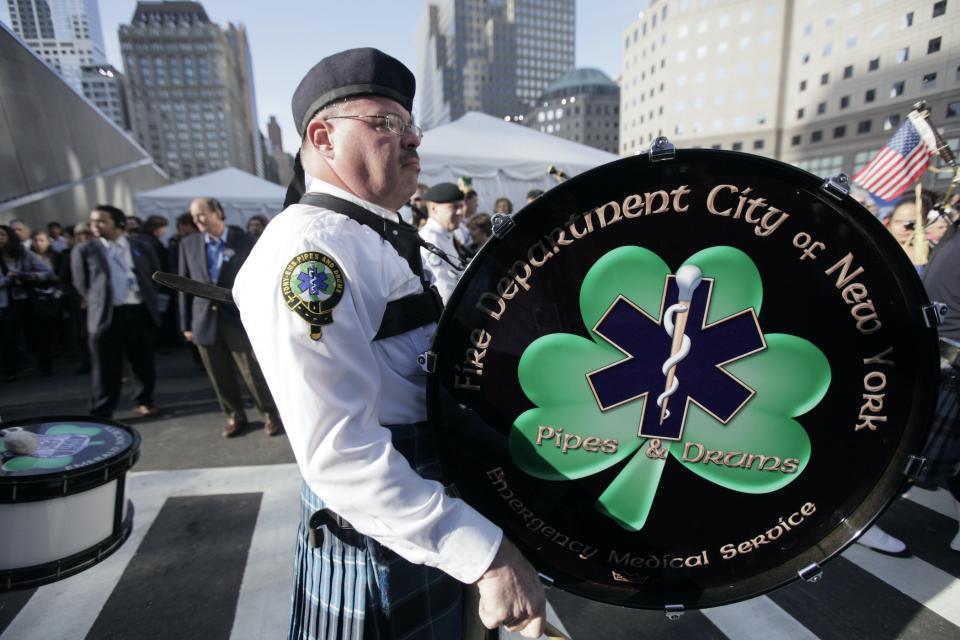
(427, 361)
(661, 150)
(914, 466)
(837, 186)
(934, 313)
(502, 225)
(673, 611)
(811, 573)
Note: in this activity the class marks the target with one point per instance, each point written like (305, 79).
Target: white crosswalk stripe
(68, 610)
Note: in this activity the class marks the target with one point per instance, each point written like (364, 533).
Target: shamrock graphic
(734, 389)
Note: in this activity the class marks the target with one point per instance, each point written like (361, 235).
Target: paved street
(211, 551)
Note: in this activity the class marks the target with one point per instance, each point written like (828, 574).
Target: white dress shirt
(444, 275)
(334, 394)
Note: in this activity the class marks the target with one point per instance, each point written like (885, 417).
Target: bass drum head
(684, 382)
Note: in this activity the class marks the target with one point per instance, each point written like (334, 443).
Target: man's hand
(511, 594)
(188, 335)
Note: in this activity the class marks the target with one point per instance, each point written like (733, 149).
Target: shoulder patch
(312, 285)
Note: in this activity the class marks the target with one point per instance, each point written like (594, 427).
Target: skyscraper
(187, 92)
(65, 33)
(494, 56)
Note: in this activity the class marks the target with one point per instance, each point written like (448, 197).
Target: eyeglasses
(392, 122)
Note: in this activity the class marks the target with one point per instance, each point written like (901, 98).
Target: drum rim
(59, 481)
(908, 288)
(55, 570)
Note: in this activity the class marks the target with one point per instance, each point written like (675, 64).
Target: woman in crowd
(503, 205)
(902, 224)
(23, 273)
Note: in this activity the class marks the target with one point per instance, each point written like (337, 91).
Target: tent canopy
(241, 194)
(502, 158)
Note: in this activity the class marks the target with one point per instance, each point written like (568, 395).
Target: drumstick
(688, 279)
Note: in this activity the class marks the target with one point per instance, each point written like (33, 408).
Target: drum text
(874, 385)
(569, 441)
(795, 519)
(696, 452)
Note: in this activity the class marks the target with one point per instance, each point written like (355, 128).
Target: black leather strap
(410, 311)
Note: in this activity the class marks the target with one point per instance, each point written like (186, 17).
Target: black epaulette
(410, 311)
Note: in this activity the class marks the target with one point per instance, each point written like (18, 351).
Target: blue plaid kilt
(942, 450)
(352, 587)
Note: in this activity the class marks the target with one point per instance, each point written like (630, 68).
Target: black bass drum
(685, 379)
(63, 505)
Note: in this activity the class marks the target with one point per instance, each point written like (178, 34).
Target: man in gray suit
(113, 275)
(214, 256)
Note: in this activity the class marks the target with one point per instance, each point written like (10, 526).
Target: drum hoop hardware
(674, 611)
(811, 573)
(836, 186)
(661, 150)
(428, 361)
(914, 466)
(934, 313)
(502, 225)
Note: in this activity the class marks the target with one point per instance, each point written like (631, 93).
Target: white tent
(502, 158)
(241, 194)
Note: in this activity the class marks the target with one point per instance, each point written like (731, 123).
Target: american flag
(898, 165)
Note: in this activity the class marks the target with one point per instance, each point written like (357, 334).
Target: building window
(805, 58)
(929, 81)
(795, 141)
(848, 71)
(844, 102)
(870, 95)
(800, 113)
(824, 78)
(903, 55)
(953, 109)
(933, 45)
(863, 126)
(758, 144)
(803, 85)
(891, 121)
(737, 146)
(839, 132)
(907, 20)
(827, 49)
(896, 89)
(939, 8)
(821, 108)
(816, 136)
(874, 64)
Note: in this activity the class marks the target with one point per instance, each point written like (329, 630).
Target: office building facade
(186, 91)
(582, 106)
(493, 56)
(822, 85)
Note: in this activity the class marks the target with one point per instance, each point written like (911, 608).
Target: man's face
(470, 203)
(22, 231)
(206, 218)
(55, 231)
(901, 222)
(377, 165)
(447, 214)
(255, 227)
(103, 226)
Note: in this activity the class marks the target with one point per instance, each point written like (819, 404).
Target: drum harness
(400, 316)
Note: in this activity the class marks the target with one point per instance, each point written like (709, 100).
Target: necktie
(214, 258)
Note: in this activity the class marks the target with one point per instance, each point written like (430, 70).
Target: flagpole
(942, 149)
(920, 248)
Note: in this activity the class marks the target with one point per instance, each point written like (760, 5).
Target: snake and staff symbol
(675, 324)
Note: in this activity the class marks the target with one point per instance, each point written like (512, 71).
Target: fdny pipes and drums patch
(312, 285)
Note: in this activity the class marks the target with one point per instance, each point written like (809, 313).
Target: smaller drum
(63, 506)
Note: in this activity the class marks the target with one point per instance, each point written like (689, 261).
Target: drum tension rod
(502, 225)
(811, 573)
(661, 150)
(934, 313)
(837, 186)
(674, 611)
(914, 466)
(427, 361)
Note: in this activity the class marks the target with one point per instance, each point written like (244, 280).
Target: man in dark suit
(113, 273)
(214, 256)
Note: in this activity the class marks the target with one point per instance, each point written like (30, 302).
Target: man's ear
(318, 135)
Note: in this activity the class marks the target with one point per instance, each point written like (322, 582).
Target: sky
(287, 37)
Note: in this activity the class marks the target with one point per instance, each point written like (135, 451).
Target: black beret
(354, 72)
(443, 192)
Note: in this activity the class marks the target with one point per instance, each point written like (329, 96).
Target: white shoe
(879, 540)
